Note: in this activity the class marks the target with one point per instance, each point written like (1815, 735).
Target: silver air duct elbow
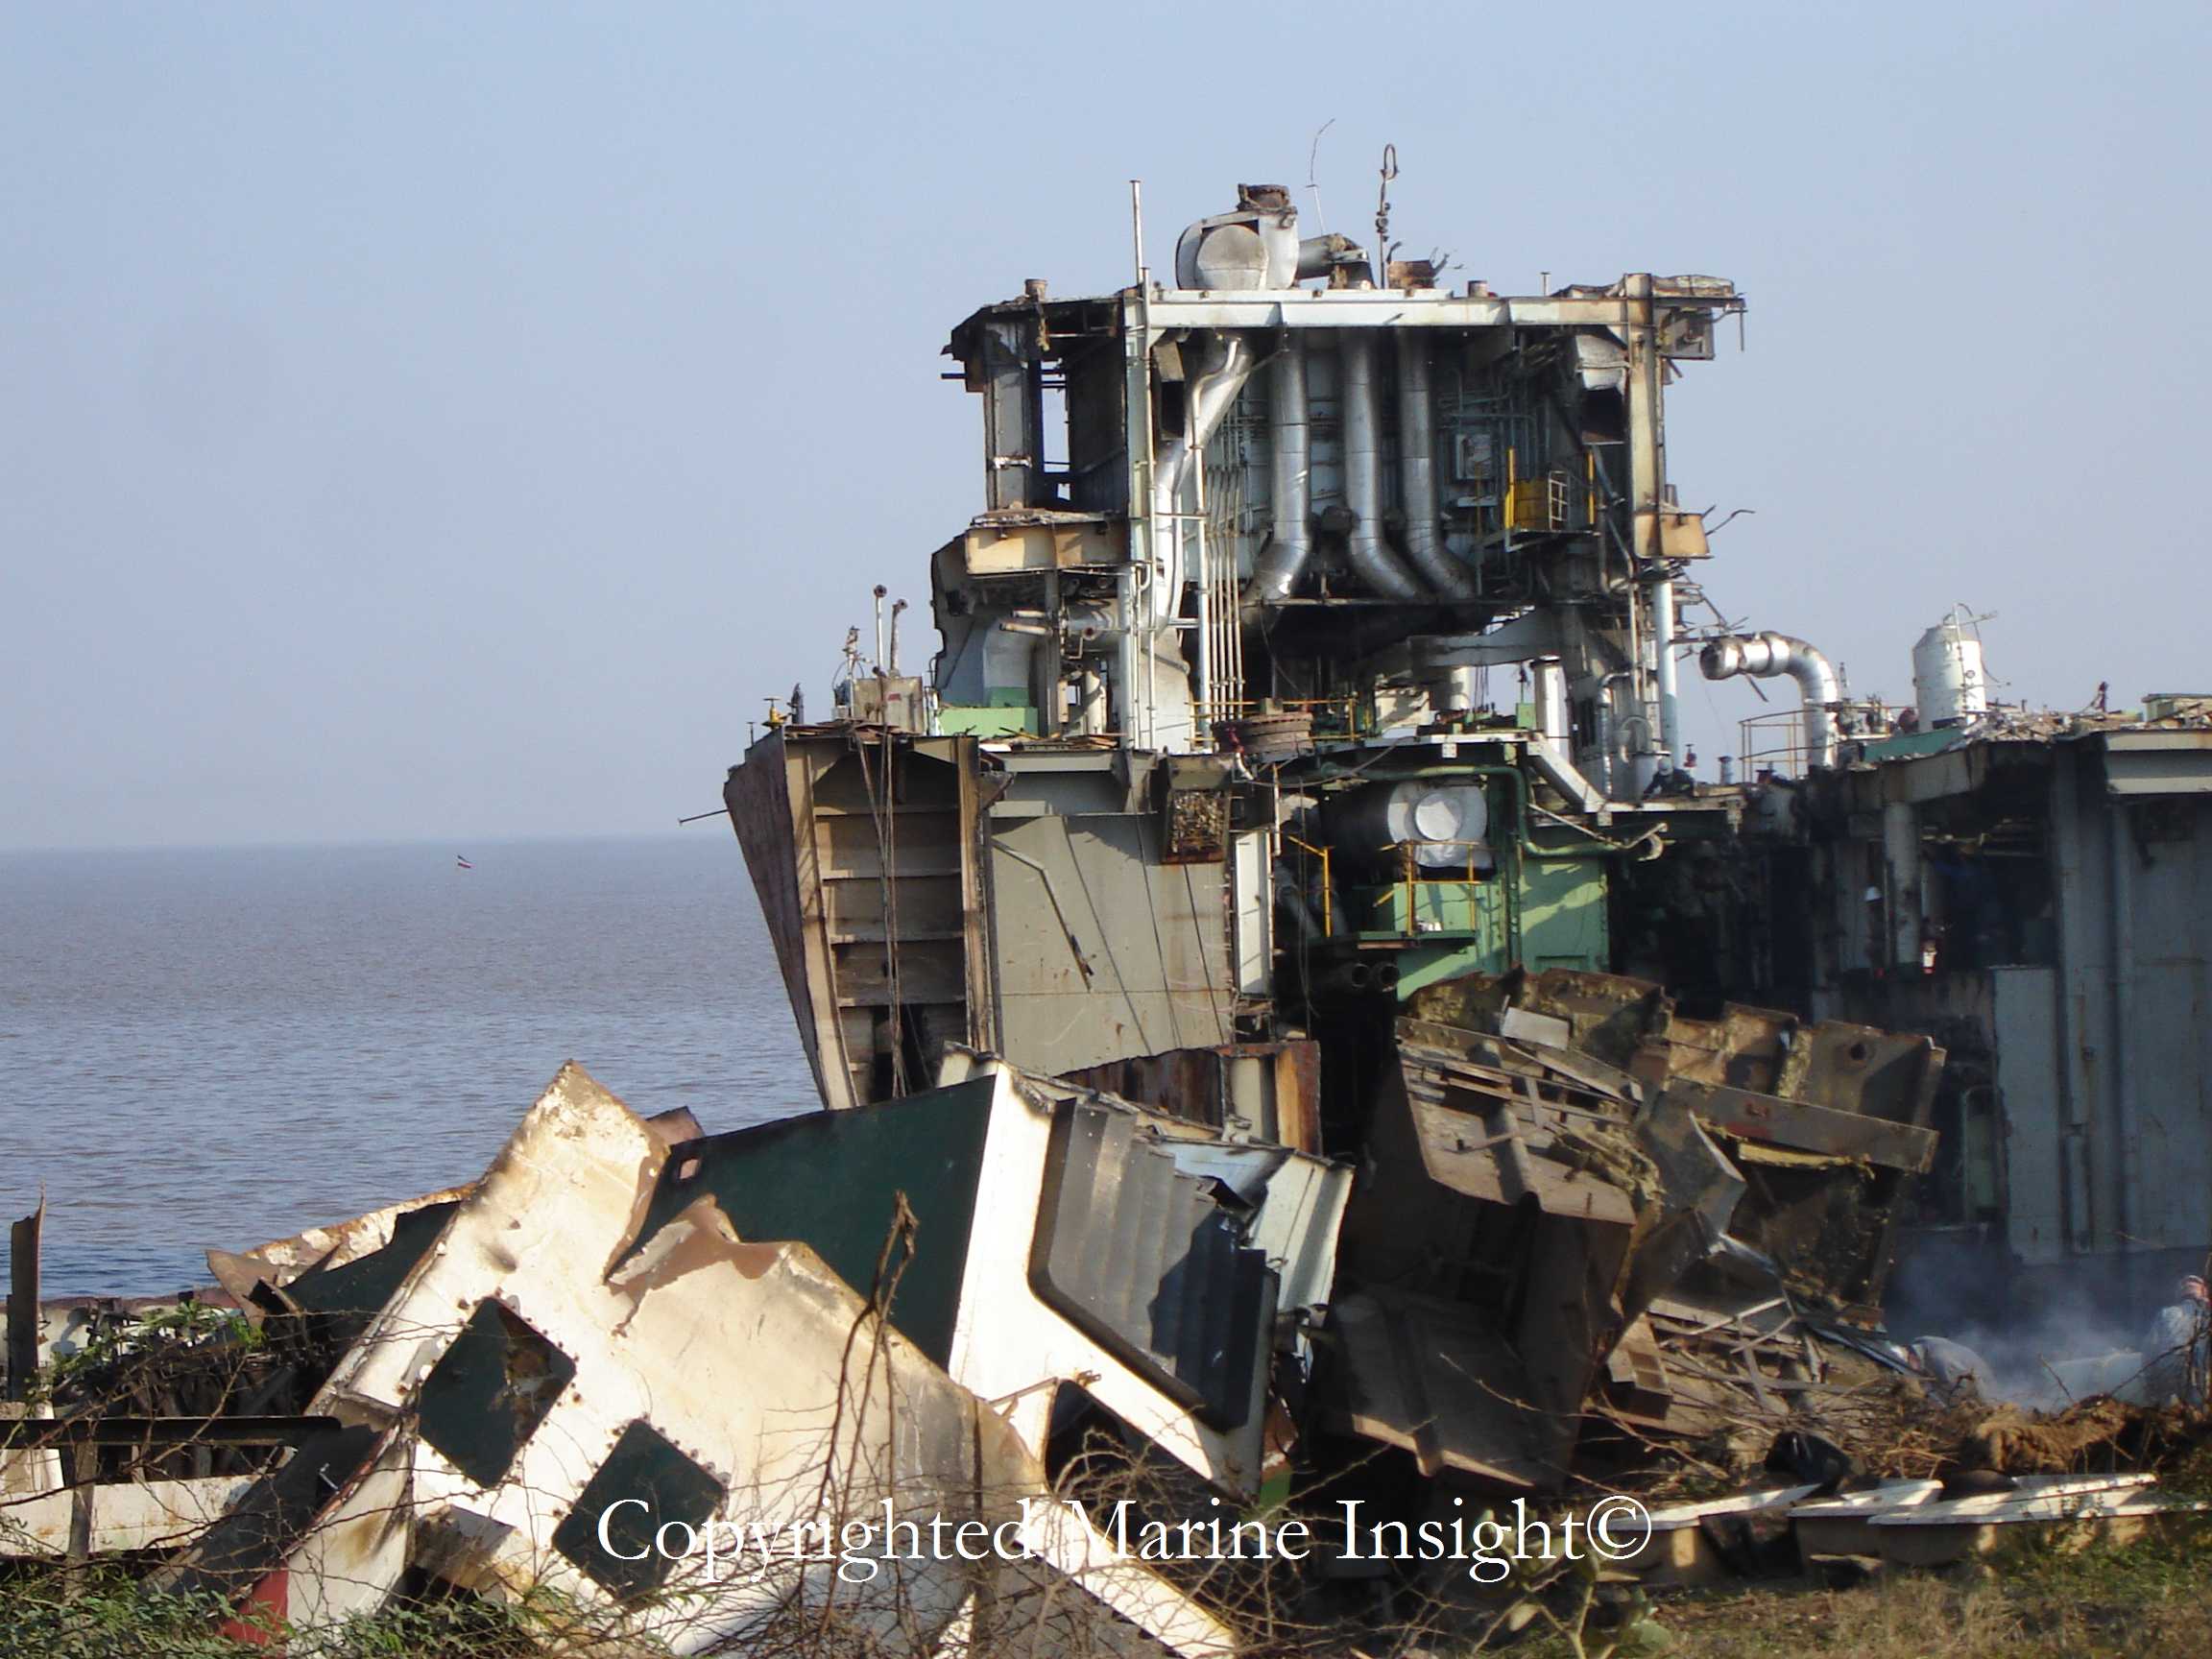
(1290, 545)
(1762, 656)
(1417, 473)
(1371, 557)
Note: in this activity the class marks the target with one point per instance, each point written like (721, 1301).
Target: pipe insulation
(1226, 361)
(1417, 473)
(1763, 655)
(1289, 425)
(1370, 554)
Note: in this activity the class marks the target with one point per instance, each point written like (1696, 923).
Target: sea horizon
(217, 1046)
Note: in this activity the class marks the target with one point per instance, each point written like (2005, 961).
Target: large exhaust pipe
(1370, 554)
(1226, 361)
(1417, 473)
(1291, 544)
(1762, 656)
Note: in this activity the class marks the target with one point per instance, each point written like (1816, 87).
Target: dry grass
(2151, 1601)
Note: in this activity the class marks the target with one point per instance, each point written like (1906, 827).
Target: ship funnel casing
(1254, 246)
(1950, 685)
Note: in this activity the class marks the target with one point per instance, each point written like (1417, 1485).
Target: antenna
(1383, 214)
(1313, 176)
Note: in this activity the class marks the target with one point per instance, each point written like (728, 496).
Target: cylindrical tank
(1254, 246)
(1949, 684)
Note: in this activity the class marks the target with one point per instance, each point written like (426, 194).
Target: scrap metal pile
(1584, 1229)
(624, 1325)
(1229, 1110)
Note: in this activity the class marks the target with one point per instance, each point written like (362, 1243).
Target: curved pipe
(1290, 546)
(1226, 362)
(1762, 656)
(1320, 255)
(1010, 655)
(1371, 558)
(1417, 473)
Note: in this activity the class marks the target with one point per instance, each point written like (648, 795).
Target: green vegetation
(103, 1614)
(141, 1343)
(2150, 1599)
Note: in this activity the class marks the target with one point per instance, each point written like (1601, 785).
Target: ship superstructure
(1316, 637)
(1309, 681)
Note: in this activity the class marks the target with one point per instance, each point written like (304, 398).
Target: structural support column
(1901, 850)
(1646, 496)
(1134, 670)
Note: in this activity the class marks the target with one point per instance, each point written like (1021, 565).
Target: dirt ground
(2151, 1601)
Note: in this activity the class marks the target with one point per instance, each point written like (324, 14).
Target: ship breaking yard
(1333, 1139)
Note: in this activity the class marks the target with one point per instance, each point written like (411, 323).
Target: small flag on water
(463, 862)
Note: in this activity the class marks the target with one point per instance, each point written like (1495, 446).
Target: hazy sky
(452, 421)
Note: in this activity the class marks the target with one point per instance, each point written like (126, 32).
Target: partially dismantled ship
(1302, 759)
(1295, 1032)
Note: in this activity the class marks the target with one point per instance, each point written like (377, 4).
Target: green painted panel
(831, 1179)
(1454, 928)
(981, 720)
(1563, 914)
(1476, 908)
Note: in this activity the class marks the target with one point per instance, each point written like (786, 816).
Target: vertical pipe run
(1425, 545)
(1209, 687)
(1136, 227)
(1371, 558)
(1133, 691)
(1225, 361)
(1663, 643)
(1290, 434)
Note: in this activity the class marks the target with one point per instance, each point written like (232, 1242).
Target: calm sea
(218, 1047)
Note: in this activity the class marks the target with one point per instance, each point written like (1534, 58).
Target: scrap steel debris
(1236, 1114)
(1565, 1265)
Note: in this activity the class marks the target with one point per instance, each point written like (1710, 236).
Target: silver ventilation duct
(1417, 473)
(1225, 363)
(1762, 656)
(1371, 557)
(1291, 543)
(1321, 255)
(1254, 246)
